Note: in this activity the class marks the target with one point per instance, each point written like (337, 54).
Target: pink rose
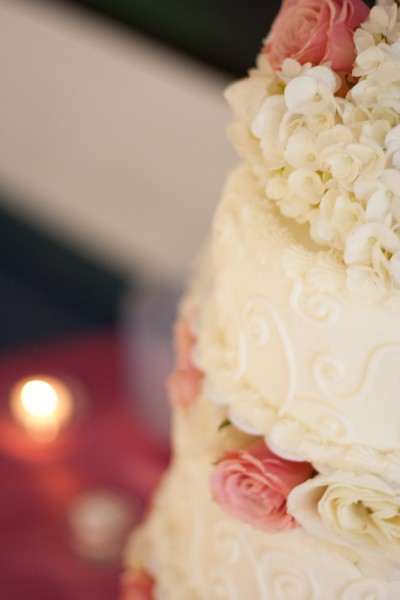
(316, 31)
(185, 381)
(253, 485)
(138, 585)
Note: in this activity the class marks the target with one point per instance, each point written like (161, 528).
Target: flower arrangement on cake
(318, 120)
(285, 480)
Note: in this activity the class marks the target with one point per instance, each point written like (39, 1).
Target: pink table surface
(107, 448)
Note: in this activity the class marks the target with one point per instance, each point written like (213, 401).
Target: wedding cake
(285, 478)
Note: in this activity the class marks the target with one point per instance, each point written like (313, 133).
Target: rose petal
(253, 485)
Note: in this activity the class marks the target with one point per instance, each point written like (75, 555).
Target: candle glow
(42, 406)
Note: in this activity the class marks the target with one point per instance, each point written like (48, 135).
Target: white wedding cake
(285, 478)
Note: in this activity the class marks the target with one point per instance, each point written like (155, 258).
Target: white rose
(361, 511)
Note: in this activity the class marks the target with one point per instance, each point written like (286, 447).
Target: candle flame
(39, 398)
(42, 406)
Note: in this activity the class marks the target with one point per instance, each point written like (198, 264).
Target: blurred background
(112, 158)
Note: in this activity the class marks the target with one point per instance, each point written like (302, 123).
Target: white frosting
(289, 353)
(297, 347)
(289, 350)
(197, 552)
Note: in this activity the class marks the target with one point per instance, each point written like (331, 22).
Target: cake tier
(195, 551)
(290, 352)
(285, 352)
(285, 481)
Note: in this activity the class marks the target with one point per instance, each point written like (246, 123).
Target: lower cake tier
(194, 550)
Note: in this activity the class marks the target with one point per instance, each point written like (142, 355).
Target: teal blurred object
(48, 289)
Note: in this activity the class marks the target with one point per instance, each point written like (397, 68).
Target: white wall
(113, 143)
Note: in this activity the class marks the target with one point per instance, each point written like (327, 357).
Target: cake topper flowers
(326, 158)
(316, 31)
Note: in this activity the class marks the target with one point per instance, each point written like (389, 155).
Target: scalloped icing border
(291, 439)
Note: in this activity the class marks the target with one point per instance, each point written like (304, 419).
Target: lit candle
(42, 406)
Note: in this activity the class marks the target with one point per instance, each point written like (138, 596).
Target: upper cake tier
(300, 335)
(285, 480)
(290, 350)
(323, 137)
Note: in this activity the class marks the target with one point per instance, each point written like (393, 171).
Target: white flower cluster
(359, 511)
(334, 161)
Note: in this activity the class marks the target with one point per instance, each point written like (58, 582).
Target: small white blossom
(329, 160)
(363, 40)
(291, 69)
(365, 94)
(339, 135)
(385, 114)
(349, 161)
(390, 179)
(294, 192)
(368, 61)
(388, 71)
(294, 206)
(378, 209)
(277, 186)
(382, 197)
(395, 267)
(314, 124)
(312, 92)
(360, 243)
(265, 127)
(336, 217)
(392, 143)
(307, 185)
(375, 131)
(383, 21)
(343, 163)
(301, 152)
(318, 122)
(392, 53)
